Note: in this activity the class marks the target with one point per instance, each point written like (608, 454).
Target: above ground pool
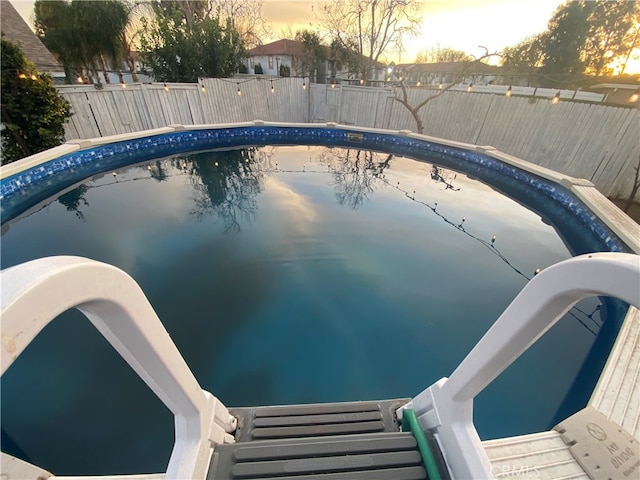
(293, 265)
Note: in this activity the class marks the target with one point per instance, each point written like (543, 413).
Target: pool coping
(507, 453)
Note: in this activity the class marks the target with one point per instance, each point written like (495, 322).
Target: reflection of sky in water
(277, 291)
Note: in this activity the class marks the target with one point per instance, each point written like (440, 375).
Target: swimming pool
(376, 230)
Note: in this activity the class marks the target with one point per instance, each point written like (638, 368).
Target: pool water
(285, 275)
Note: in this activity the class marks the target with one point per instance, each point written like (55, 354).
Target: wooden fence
(115, 109)
(585, 140)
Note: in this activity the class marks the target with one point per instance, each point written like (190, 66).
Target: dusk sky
(460, 24)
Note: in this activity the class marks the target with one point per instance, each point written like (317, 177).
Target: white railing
(446, 407)
(34, 293)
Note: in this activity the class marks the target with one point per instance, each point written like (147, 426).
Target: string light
(636, 95)
(239, 91)
(33, 77)
(419, 83)
(440, 86)
(22, 76)
(124, 85)
(469, 87)
(333, 84)
(556, 98)
(166, 88)
(80, 80)
(272, 89)
(304, 84)
(204, 90)
(509, 91)
(362, 81)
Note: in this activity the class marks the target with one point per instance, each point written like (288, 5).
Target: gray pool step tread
(334, 441)
(384, 456)
(316, 419)
(348, 445)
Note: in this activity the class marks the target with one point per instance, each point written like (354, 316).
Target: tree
(84, 34)
(414, 110)
(563, 42)
(246, 18)
(438, 54)
(371, 28)
(55, 30)
(524, 59)
(311, 61)
(586, 37)
(611, 34)
(178, 50)
(33, 112)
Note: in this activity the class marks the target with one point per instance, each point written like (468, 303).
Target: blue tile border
(581, 229)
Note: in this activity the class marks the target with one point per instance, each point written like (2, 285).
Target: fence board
(591, 141)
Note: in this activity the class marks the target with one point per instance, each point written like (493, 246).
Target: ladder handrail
(36, 292)
(446, 407)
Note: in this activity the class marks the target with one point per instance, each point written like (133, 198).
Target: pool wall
(574, 199)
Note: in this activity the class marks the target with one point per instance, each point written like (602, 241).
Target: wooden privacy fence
(584, 140)
(115, 109)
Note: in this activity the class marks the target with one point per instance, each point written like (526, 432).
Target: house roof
(15, 30)
(279, 47)
(293, 48)
(450, 67)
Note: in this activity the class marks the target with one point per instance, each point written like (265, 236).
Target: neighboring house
(447, 72)
(15, 30)
(269, 58)
(618, 93)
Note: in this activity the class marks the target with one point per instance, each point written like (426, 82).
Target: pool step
(334, 441)
(296, 421)
(379, 456)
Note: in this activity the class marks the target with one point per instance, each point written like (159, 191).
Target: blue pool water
(289, 275)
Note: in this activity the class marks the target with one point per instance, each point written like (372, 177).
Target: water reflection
(445, 177)
(354, 172)
(225, 184)
(74, 199)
